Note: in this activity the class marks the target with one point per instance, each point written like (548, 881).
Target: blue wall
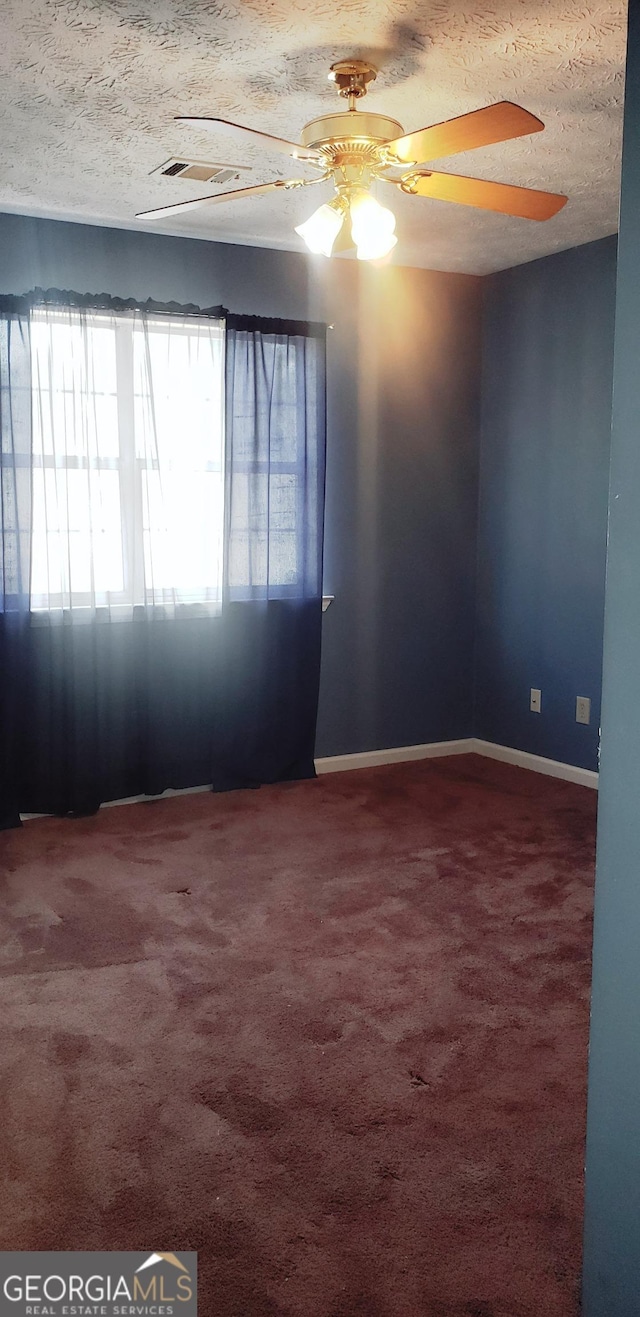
(612, 1227)
(544, 470)
(403, 425)
(402, 475)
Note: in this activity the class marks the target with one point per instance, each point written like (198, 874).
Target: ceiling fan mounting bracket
(289, 183)
(409, 183)
(389, 160)
(351, 77)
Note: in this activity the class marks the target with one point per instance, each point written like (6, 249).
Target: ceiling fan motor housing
(351, 127)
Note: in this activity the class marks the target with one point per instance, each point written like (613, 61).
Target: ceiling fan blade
(181, 206)
(509, 200)
(239, 131)
(495, 123)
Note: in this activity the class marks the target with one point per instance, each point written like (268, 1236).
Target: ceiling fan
(353, 148)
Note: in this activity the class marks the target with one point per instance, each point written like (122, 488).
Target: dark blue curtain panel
(108, 706)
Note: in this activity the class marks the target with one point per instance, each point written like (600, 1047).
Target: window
(128, 460)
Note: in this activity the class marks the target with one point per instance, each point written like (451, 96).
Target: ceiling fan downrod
(351, 77)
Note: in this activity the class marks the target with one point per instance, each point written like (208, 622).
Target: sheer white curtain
(128, 462)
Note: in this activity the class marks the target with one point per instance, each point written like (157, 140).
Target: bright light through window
(128, 466)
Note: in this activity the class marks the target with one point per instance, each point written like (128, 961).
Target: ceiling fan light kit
(322, 228)
(372, 226)
(353, 149)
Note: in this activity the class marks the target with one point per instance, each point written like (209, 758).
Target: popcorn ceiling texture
(89, 90)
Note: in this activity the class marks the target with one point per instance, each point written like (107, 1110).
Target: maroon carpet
(330, 1034)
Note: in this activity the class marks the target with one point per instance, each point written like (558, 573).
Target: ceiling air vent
(200, 170)
(176, 168)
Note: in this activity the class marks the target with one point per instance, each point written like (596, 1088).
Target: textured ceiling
(89, 88)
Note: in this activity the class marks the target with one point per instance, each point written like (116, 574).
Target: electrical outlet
(583, 709)
(535, 701)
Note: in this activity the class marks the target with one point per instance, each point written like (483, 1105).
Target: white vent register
(201, 170)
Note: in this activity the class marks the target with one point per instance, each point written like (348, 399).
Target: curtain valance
(21, 303)
(271, 325)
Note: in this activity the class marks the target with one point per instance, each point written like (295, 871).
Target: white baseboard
(466, 746)
(400, 754)
(162, 795)
(584, 777)
(397, 754)
(132, 800)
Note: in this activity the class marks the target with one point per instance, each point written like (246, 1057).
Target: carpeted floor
(330, 1034)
